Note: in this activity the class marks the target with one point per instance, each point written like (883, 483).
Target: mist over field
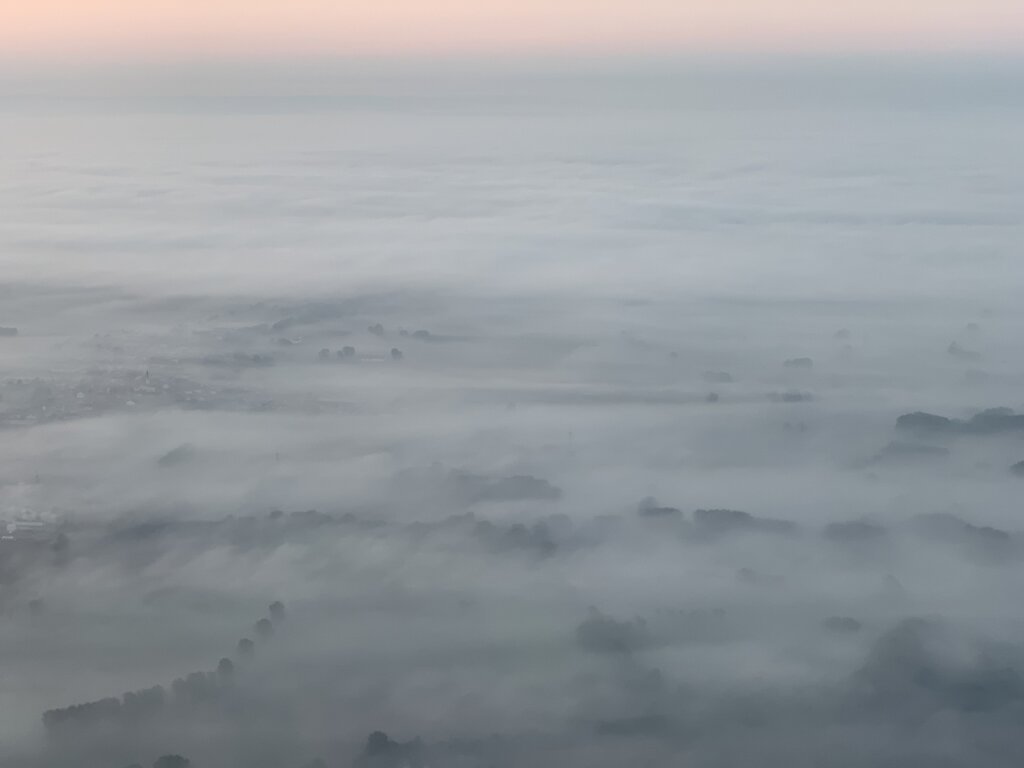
(545, 416)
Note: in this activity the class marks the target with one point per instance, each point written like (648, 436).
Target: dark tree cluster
(345, 353)
(382, 751)
(713, 523)
(718, 522)
(979, 541)
(791, 396)
(992, 421)
(650, 508)
(536, 538)
(955, 349)
(976, 542)
(918, 663)
(603, 634)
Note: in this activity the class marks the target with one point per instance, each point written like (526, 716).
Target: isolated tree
(226, 670)
(172, 761)
(264, 628)
(246, 647)
(277, 611)
(378, 743)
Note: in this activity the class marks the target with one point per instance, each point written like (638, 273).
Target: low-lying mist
(390, 436)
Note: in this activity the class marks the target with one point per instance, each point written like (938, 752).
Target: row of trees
(186, 692)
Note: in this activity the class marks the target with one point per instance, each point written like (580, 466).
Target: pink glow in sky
(258, 28)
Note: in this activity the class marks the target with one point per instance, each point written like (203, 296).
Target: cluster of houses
(20, 525)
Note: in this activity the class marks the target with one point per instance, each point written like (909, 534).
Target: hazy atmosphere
(645, 397)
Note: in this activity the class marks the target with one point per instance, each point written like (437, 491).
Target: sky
(185, 29)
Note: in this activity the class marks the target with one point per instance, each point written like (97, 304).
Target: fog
(559, 416)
